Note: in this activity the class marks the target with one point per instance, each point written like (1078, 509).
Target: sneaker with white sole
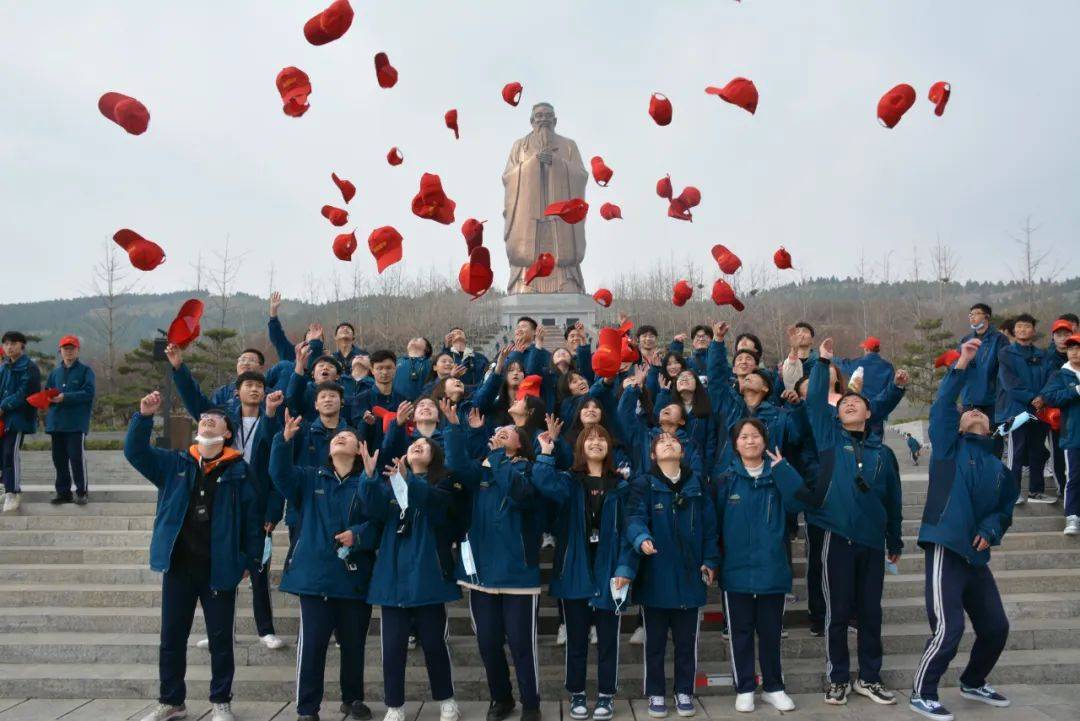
(394, 714)
(166, 712)
(579, 706)
(1072, 526)
(637, 638)
(592, 635)
(449, 711)
(684, 705)
(876, 692)
(986, 694)
(1040, 498)
(203, 643)
(657, 707)
(779, 700)
(221, 712)
(604, 709)
(560, 637)
(1020, 500)
(11, 502)
(744, 702)
(929, 708)
(270, 641)
(836, 694)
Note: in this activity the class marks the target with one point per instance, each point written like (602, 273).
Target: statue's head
(543, 116)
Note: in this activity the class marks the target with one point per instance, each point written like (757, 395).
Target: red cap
(431, 202)
(1061, 324)
(601, 172)
(782, 259)
(571, 211)
(663, 187)
(1047, 414)
(40, 400)
(872, 343)
(722, 294)
(529, 386)
(610, 211)
(728, 261)
(348, 190)
(628, 351)
(69, 340)
(345, 246)
(541, 267)
(385, 244)
(336, 216)
(330, 24)
(939, 96)
(475, 276)
(511, 93)
(127, 112)
(607, 358)
(681, 293)
(603, 297)
(451, 121)
(144, 254)
(473, 230)
(294, 87)
(894, 104)
(660, 108)
(740, 91)
(690, 197)
(678, 210)
(394, 157)
(1074, 339)
(185, 327)
(947, 358)
(386, 415)
(385, 73)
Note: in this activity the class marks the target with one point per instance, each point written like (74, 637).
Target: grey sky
(812, 170)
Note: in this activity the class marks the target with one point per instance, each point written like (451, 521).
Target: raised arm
(466, 469)
(287, 477)
(153, 463)
(822, 423)
(552, 483)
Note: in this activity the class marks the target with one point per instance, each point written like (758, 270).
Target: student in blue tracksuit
(381, 395)
(1021, 376)
(475, 363)
(969, 505)
(878, 373)
(413, 369)
(207, 536)
(638, 435)
(19, 378)
(673, 528)
(670, 366)
(500, 387)
(858, 503)
(68, 421)
(914, 447)
(981, 389)
(591, 552)
(753, 498)
(345, 344)
(500, 560)
(301, 390)
(1055, 357)
(1063, 391)
(413, 578)
(700, 337)
(330, 567)
(697, 409)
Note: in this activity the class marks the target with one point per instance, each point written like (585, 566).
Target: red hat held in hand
(451, 121)
(541, 267)
(511, 93)
(431, 202)
(41, 399)
(475, 276)
(394, 157)
(385, 73)
(894, 104)
(603, 297)
(185, 327)
(571, 211)
(345, 246)
(294, 87)
(385, 415)
(722, 294)
(144, 254)
(473, 230)
(127, 112)
(601, 172)
(336, 216)
(872, 344)
(348, 190)
(663, 187)
(681, 293)
(385, 244)
(610, 211)
(1047, 414)
(740, 91)
(728, 261)
(782, 259)
(529, 386)
(660, 109)
(939, 96)
(330, 24)
(947, 358)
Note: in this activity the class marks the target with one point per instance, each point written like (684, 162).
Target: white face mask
(209, 447)
(978, 327)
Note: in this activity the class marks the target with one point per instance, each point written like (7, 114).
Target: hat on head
(348, 190)
(385, 244)
(345, 246)
(394, 157)
(451, 121)
(660, 108)
(722, 294)
(1061, 324)
(894, 104)
(540, 268)
(69, 340)
(385, 73)
(782, 259)
(144, 254)
(330, 24)
(939, 96)
(475, 276)
(511, 93)
(610, 211)
(127, 112)
(529, 386)
(294, 86)
(431, 202)
(571, 211)
(336, 216)
(600, 171)
(185, 327)
(728, 261)
(681, 293)
(740, 91)
(1074, 339)
(872, 344)
(947, 358)
(603, 297)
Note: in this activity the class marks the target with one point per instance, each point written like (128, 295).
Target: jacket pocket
(937, 495)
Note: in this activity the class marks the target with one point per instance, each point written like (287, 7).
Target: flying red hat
(607, 358)
(336, 216)
(385, 244)
(603, 297)
(127, 112)
(601, 172)
(1061, 324)
(728, 261)
(740, 91)
(69, 340)
(690, 197)
(394, 157)
(451, 121)
(473, 230)
(40, 400)
(348, 190)
(475, 276)
(681, 293)
(511, 93)
(385, 415)
(541, 267)
(872, 343)
(610, 211)
(628, 351)
(663, 187)
(1047, 414)
(385, 73)
(294, 86)
(660, 108)
(722, 294)
(345, 246)
(330, 24)
(431, 202)
(677, 209)
(782, 259)
(894, 104)
(939, 96)
(947, 358)
(529, 386)
(571, 211)
(185, 327)
(144, 254)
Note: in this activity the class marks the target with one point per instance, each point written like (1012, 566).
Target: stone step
(99, 493)
(96, 507)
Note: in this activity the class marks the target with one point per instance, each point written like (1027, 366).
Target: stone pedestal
(549, 309)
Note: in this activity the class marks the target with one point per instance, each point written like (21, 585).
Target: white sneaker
(270, 641)
(779, 700)
(394, 714)
(165, 712)
(592, 635)
(1072, 526)
(222, 712)
(560, 637)
(1020, 500)
(638, 637)
(744, 702)
(449, 711)
(11, 502)
(203, 643)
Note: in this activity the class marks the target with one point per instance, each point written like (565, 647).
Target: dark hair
(528, 320)
(764, 379)
(329, 386)
(1025, 318)
(704, 328)
(534, 419)
(428, 349)
(257, 352)
(358, 461)
(658, 436)
(702, 408)
(454, 328)
(218, 411)
(438, 391)
(436, 471)
(643, 329)
(576, 426)
(380, 356)
(580, 464)
(1069, 317)
(13, 336)
(667, 358)
(983, 307)
(1006, 326)
(677, 404)
(804, 324)
(433, 375)
(327, 359)
(250, 376)
(841, 380)
(756, 423)
(506, 397)
(562, 388)
(753, 339)
(526, 450)
(344, 324)
(848, 394)
(566, 332)
(753, 354)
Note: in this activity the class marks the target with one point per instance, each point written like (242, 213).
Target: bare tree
(1032, 262)
(223, 279)
(944, 263)
(200, 274)
(109, 283)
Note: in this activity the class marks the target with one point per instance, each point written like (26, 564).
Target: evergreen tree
(931, 340)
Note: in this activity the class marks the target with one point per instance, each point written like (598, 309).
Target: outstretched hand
(150, 404)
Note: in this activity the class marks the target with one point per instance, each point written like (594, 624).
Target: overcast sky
(812, 169)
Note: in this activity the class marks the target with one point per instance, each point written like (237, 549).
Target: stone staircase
(79, 608)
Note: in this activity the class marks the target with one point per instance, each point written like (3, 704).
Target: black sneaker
(81, 499)
(499, 710)
(817, 631)
(836, 694)
(984, 693)
(875, 692)
(356, 710)
(579, 707)
(530, 714)
(59, 500)
(308, 717)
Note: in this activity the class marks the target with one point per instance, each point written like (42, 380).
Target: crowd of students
(408, 482)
